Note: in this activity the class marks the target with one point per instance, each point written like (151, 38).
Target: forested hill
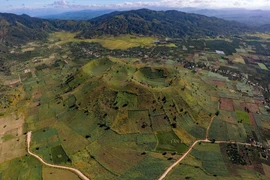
(162, 23)
(19, 29)
(16, 29)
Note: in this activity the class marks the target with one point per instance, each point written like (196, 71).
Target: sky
(72, 5)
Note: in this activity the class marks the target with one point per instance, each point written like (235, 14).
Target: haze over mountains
(77, 15)
(249, 17)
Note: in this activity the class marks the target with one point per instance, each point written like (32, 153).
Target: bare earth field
(226, 104)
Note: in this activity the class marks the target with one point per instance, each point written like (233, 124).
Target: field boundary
(79, 173)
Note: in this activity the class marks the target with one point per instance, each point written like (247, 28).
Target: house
(220, 52)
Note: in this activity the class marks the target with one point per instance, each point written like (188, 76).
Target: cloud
(251, 4)
(60, 3)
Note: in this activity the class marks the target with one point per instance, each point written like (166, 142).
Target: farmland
(243, 116)
(127, 108)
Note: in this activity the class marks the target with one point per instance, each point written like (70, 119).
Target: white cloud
(60, 3)
(250, 4)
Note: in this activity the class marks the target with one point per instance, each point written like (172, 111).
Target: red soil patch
(249, 60)
(226, 104)
(252, 120)
(216, 67)
(258, 102)
(252, 107)
(220, 84)
(255, 57)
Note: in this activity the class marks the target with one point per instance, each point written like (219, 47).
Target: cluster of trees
(234, 155)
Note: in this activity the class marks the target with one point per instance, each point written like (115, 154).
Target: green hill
(16, 29)
(162, 23)
(19, 29)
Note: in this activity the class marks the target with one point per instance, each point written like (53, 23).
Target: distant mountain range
(19, 29)
(249, 17)
(161, 23)
(77, 15)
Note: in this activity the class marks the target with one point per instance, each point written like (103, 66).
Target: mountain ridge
(170, 23)
(19, 29)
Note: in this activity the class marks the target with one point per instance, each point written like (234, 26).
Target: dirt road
(194, 144)
(181, 159)
(188, 151)
(79, 173)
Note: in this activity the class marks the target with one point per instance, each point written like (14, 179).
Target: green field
(59, 155)
(242, 116)
(212, 160)
(168, 141)
(125, 42)
(121, 42)
(149, 168)
(147, 141)
(21, 168)
(125, 99)
(262, 66)
(218, 130)
(191, 127)
(97, 67)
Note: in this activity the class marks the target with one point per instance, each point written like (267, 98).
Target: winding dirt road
(79, 173)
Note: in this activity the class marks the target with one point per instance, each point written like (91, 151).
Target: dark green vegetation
(211, 157)
(58, 155)
(227, 47)
(168, 141)
(161, 23)
(21, 29)
(26, 167)
(17, 30)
